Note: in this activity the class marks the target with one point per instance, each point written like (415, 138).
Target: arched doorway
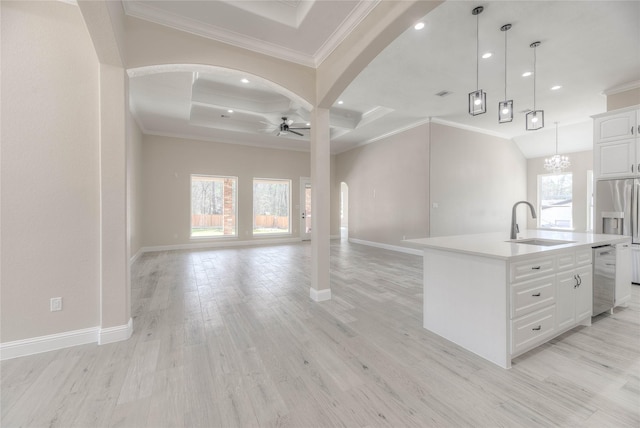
(344, 211)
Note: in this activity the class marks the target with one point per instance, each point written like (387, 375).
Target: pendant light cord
(477, 51)
(535, 48)
(505, 64)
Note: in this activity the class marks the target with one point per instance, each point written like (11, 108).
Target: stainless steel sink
(540, 242)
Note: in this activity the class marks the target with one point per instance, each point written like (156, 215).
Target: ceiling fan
(285, 128)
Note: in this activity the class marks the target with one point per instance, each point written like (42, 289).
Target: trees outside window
(271, 206)
(555, 201)
(213, 206)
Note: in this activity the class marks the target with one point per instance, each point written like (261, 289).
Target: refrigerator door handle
(635, 201)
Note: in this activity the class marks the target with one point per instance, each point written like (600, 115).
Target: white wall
(50, 182)
(167, 164)
(388, 187)
(475, 180)
(581, 162)
(134, 186)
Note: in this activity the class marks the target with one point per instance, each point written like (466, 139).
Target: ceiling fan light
(505, 111)
(535, 120)
(477, 102)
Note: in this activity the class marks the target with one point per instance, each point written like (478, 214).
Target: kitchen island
(499, 298)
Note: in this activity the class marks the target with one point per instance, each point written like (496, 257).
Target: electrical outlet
(56, 304)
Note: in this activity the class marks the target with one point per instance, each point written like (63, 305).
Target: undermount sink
(540, 242)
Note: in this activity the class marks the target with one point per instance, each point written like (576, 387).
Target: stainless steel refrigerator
(616, 212)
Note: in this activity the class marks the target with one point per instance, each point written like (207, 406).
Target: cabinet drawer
(583, 257)
(521, 271)
(532, 329)
(527, 297)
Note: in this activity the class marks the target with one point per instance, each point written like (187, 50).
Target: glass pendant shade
(505, 108)
(477, 102)
(535, 120)
(505, 111)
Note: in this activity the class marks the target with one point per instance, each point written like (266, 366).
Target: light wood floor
(230, 338)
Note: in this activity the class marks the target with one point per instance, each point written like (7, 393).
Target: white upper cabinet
(618, 126)
(616, 148)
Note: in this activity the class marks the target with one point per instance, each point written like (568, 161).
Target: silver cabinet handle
(536, 295)
(536, 268)
(632, 130)
(537, 328)
(576, 278)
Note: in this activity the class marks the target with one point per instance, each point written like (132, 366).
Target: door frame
(302, 212)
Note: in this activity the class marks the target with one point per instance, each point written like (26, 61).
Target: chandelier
(556, 163)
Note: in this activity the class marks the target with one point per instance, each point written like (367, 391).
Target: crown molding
(147, 12)
(470, 128)
(356, 16)
(622, 88)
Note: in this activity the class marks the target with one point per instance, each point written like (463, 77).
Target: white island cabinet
(499, 298)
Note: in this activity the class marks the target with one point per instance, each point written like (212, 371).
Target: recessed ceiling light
(419, 26)
(229, 111)
(245, 80)
(527, 74)
(555, 88)
(486, 55)
(340, 102)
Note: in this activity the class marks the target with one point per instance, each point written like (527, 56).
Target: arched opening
(344, 211)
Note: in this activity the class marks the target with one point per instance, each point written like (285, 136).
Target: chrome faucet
(514, 225)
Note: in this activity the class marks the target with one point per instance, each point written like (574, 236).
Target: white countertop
(498, 245)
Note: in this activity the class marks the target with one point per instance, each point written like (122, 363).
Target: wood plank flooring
(230, 338)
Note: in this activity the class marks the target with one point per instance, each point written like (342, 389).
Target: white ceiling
(587, 47)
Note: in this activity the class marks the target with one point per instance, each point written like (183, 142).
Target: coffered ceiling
(586, 48)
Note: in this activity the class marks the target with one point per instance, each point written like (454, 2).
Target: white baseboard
(397, 248)
(52, 342)
(115, 334)
(320, 295)
(135, 257)
(219, 244)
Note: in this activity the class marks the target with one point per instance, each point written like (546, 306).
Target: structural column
(115, 306)
(320, 201)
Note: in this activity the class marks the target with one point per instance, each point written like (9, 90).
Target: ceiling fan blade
(296, 132)
(299, 128)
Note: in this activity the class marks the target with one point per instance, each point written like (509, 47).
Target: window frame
(289, 183)
(539, 202)
(235, 207)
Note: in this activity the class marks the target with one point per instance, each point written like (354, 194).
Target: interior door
(305, 208)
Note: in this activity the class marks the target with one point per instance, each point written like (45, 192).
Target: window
(213, 206)
(271, 206)
(555, 201)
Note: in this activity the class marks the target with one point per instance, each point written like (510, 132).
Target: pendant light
(556, 163)
(535, 118)
(477, 99)
(505, 108)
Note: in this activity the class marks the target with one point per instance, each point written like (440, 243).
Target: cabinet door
(566, 300)
(584, 292)
(616, 127)
(615, 159)
(623, 274)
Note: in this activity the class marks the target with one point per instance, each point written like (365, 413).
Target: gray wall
(50, 172)
(134, 186)
(388, 187)
(475, 180)
(167, 164)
